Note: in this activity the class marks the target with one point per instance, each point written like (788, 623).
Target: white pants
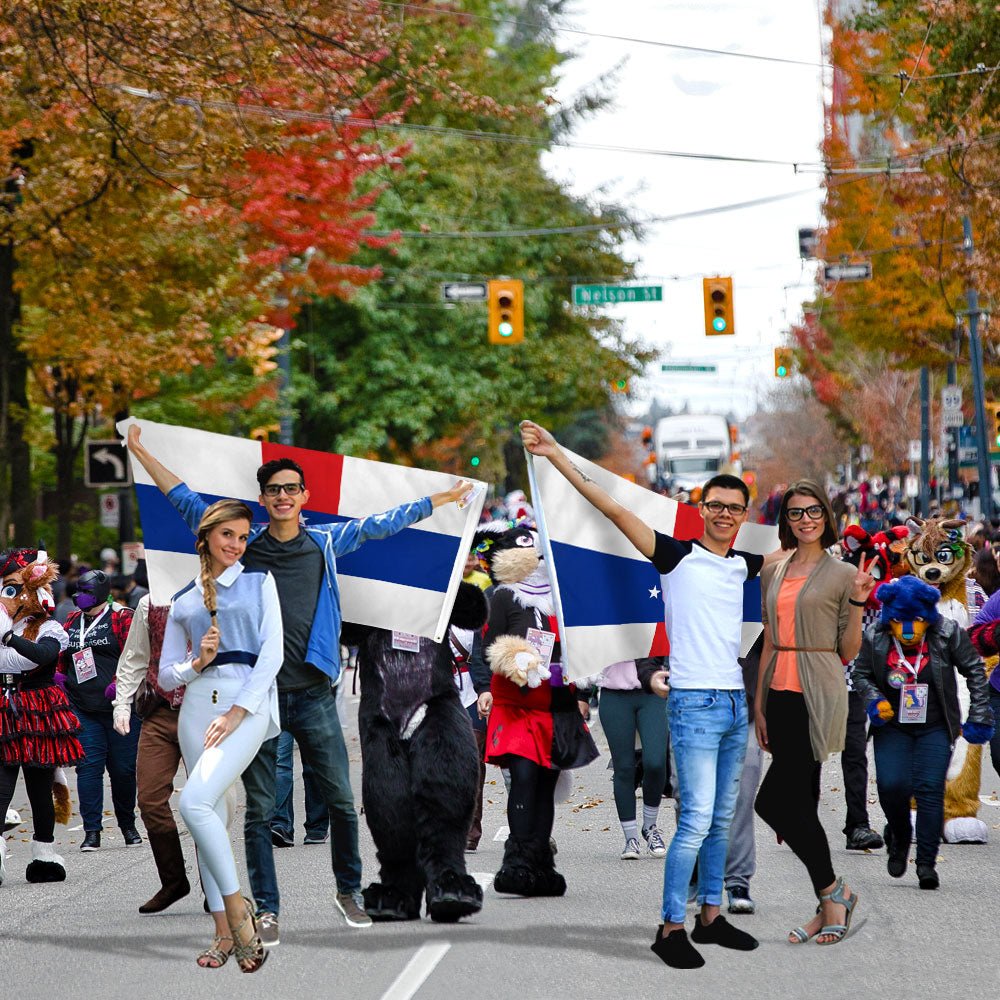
(203, 801)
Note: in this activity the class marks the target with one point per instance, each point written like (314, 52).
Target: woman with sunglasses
(812, 606)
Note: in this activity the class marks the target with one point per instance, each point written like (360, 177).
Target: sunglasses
(814, 512)
(717, 507)
(275, 489)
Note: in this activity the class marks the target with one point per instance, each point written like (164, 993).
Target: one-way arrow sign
(106, 464)
(464, 291)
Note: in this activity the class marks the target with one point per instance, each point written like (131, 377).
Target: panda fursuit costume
(420, 770)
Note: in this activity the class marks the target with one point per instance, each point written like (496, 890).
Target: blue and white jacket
(336, 539)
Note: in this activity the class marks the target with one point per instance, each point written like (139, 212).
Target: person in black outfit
(96, 636)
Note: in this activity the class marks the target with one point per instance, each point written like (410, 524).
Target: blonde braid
(207, 580)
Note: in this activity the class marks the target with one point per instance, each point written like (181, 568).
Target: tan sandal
(215, 957)
(252, 952)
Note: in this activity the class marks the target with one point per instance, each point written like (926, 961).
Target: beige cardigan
(821, 614)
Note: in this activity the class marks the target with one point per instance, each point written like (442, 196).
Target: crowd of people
(247, 661)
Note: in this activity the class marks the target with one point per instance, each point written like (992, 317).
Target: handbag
(146, 699)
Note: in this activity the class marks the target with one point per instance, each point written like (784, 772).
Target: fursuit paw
(977, 732)
(515, 658)
(386, 902)
(453, 896)
(879, 711)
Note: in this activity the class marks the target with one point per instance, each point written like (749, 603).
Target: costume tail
(60, 797)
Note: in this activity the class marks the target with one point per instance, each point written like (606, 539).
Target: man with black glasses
(303, 561)
(702, 584)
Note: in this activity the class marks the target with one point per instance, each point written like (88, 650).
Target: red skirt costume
(542, 724)
(37, 725)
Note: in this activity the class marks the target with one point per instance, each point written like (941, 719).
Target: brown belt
(802, 649)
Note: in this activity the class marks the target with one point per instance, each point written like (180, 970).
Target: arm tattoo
(583, 475)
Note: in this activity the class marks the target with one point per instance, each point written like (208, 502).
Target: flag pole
(536, 499)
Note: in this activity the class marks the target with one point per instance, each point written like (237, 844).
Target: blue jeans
(317, 815)
(912, 764)
(311, 718)
(708, 734)
(106, 750)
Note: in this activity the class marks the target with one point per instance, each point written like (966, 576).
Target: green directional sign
(688, 368)
(599, 295)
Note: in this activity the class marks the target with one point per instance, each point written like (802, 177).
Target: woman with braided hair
(224, 642)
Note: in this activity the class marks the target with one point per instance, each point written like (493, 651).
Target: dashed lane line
(416, 971)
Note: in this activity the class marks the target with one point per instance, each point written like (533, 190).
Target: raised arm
(159, 473)
(540, 442)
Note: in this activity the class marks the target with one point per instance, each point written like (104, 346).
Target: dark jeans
(854, 763)
(913, 765)
(623, 714)
(311, 717)
(479, 731)
(317, 815)
(788, 800)
(995, 742)
(106, 750)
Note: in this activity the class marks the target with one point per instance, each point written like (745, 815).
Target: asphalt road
(85, 937)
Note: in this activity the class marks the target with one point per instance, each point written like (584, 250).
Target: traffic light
(474, 461)
(506, 309)
(782, 362)
(620, 385)
(718, 293)
(264, 433)
(992, 424)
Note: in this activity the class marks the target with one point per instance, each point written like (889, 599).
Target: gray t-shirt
(297, 568)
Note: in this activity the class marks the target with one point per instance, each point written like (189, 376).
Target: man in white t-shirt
(702, 583)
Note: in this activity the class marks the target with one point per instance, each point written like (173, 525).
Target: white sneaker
(632, 850)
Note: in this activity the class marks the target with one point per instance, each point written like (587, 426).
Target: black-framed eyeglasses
(717, 507)
(292, 489)
(814, 512)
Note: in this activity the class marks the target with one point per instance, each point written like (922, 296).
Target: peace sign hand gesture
(864, 582)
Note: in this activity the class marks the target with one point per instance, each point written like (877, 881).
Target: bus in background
(691, 448)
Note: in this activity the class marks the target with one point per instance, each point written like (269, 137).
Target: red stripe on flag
(688, 524)
(323, 473)
(661, 644)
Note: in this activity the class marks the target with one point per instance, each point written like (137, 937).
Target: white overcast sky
(667, 99)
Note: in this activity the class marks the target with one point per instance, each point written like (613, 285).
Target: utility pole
(978, 381)
(953, 482)
(925, 440)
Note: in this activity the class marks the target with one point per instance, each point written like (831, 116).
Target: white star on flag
(654, 592)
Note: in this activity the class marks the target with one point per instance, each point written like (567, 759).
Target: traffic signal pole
(925, 441)
(978, 382)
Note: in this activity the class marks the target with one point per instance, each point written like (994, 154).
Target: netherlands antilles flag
(406, 582)
(608, 600)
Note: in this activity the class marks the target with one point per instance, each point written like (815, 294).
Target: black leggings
(531, 809)
(38, 782)
(788, 800)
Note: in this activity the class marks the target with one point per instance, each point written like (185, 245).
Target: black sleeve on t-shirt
(668, 552)
(43, 652)
(755, 563)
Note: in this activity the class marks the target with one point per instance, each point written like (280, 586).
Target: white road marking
(73, 829)
(502, 834)
(989, 800)
(484, 879)
(416, 971)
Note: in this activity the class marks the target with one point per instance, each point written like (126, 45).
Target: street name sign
(688, 368)
(599, 295)
(861, 271)
(463, 291)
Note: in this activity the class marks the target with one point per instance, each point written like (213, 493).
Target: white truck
(691, 448)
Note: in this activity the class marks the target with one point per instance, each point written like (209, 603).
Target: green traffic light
(474, 461)
(719, 324)
(505, 329)
(781, 371)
